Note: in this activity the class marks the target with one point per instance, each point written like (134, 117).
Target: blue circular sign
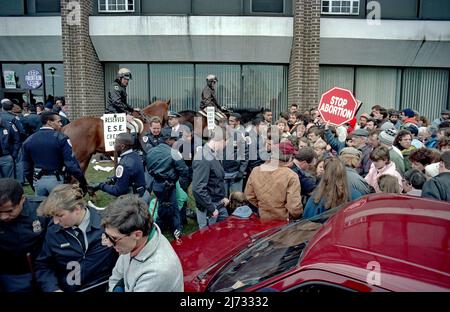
(33, 78)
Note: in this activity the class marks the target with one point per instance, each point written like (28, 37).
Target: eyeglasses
(113, 240)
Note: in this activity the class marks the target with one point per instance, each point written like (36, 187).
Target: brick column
(303, 84)
(83, 72)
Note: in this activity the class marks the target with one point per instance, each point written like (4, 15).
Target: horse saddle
(218, 116)
(135, 126)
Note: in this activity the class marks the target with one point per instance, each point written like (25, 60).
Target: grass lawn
(103, 199)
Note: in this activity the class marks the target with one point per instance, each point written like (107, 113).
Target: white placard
(113, 124)
(10, 79)
(210, 112)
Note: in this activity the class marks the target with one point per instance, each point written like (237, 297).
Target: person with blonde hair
(388, 184)
(73, 256)
(332, 191)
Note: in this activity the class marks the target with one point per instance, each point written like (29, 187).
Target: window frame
(107, 10)
(330, 6)
(264, 13)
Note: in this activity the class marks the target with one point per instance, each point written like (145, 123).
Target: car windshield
(269, 256)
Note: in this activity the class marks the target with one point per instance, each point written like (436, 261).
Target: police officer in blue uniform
(32, 122)
(117, 95)
(166, 166)
(74, 254)
(9, 116)
(46, 153)
(9, 148)
(152, 137)
(21, 236)
(129, 177)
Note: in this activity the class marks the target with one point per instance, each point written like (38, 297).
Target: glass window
(228, 90)
(349, 7)
(267, 6)
(24, 78)
(116, 5)
(174, 81)
(265, 86)
(48, 6)
(137, 89)
(54, 79)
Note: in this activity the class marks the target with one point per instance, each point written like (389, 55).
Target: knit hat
(387, 136)
(286, 148)
(408, 112)
(387, 125)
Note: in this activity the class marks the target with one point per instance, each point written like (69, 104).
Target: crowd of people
(296, 167)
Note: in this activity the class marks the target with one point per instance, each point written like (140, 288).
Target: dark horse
(199, 121)
(86, 133)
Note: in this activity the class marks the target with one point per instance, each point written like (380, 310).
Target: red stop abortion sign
(338, 106)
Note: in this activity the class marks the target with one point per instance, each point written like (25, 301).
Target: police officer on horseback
(209, 96)
(117, 95)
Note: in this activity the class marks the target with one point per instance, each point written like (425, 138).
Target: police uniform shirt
(82, 228)
(129, 171)
(9, 139)
(23, 235)
(14, 120)
(58, 153)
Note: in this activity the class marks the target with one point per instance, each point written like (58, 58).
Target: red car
(380, 242)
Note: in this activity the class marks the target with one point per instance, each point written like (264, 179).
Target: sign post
(337, 106)
(113, 124)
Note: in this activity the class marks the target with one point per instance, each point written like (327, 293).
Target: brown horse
(86, 133)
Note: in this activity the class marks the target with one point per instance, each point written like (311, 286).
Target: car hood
(205, 251)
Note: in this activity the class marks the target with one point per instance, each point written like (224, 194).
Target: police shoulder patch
(119, 171)
(116, 88)
(145, 139)
(5, 132)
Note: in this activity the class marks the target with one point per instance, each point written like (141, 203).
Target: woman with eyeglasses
(73, 256)
(147, 261)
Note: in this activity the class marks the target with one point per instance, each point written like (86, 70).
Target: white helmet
(124, 73)
(211, 77)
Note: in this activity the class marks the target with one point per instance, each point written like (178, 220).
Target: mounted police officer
(166, 166)
(21, 235)
(9, 148)
(129, 177)
(48, 154)
(117, 95)
(209, 96)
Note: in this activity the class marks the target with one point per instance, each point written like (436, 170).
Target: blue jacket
(15, 120)
(50, 150)
(61, 247)
(9, 139)
(312, 209)
(149, 141)
(129, 175)
(31, 123)
(23, 235)
(307, 182)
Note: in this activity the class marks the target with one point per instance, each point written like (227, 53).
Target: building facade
(266, 53)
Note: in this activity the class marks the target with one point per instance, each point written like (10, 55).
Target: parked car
(380, 242)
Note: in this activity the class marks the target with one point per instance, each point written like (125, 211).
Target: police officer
(129, 177)
(8, 116)
(32, 122)
(9, 148)
(117, 95)
(209, 93)
(46, 153)
(21, 236)
(152, 137)
(166, 166)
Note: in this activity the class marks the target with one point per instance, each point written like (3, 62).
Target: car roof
(404, 238)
